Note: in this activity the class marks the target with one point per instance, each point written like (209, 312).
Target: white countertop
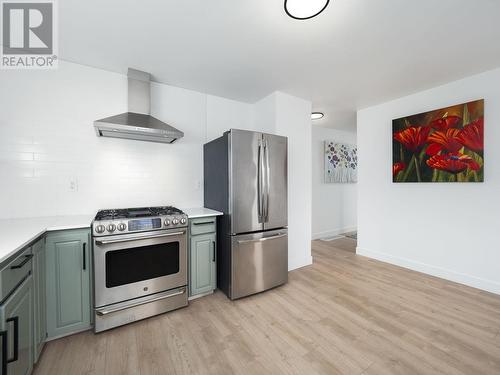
(196, 212)
(17, 233)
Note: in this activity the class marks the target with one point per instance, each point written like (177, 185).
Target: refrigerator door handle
(267, 181)
(259, 183)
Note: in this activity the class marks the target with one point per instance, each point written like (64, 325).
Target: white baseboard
(200, 295)
(293, 264)
(68, 334)
(333, 232)
(473, 281)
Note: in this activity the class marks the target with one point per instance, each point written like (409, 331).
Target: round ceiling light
(305, 9)
(317, 115)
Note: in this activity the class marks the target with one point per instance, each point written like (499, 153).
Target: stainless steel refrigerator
(245, 177)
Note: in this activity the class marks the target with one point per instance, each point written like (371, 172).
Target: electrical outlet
(73, 184)
(197, 185)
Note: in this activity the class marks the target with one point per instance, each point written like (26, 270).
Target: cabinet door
(68, 282)
(202, 264)
(17, 323)
(40, 318)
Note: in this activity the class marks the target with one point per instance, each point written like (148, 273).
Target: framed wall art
(444, 145)
(341, 162)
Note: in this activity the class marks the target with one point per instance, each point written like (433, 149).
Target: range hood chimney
(137, 123)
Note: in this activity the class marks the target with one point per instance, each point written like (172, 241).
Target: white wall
(293, 120)
(334, 206)
(448, 230)
(224, 114)
(289, 116)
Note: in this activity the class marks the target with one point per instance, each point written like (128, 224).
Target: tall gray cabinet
(68, 282)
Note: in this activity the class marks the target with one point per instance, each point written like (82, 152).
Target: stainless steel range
(140, 264)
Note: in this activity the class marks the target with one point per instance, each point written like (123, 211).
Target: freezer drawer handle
(21, 265)
(110, 311)
(263, 238)
(105, 242)
(3, 334)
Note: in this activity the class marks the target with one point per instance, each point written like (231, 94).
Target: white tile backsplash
(47, 140)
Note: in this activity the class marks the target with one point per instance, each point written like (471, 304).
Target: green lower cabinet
(40, 312)
(16, 321)
(202, 253)
(68, 282)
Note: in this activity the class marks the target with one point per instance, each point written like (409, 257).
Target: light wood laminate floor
(345, 314)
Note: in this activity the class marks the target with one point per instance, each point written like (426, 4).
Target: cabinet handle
(213, 257)
(3, 334)
(15, 319)
(137, 238)
(102, 312)
(84, 256)
(20, 265)
(203, 222)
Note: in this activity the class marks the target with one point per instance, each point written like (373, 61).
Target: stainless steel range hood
(137, 123)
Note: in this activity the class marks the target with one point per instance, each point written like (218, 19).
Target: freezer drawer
(259, 262)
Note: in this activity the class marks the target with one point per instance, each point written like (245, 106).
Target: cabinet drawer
(15, 272)
(202, 225)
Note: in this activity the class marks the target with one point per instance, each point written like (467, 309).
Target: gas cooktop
(129, 213)
(127, 220)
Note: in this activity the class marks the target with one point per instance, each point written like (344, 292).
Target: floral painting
(341, 162)
(445, 145)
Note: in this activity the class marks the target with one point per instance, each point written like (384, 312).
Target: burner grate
(111, 214)
(128, 213)
(166, 210)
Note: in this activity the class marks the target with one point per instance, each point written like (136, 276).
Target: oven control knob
(175, 221)
(183, 221)
(111, 227)
(167, 222)
(100, 228)
(122, 227)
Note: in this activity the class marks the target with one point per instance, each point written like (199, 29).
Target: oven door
(135, 265)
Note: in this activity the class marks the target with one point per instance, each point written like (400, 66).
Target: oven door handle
(129, 239)
(128, 306)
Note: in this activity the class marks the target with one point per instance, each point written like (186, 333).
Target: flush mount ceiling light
(317, 115)
(305, 9)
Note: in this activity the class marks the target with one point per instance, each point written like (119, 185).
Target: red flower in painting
(445, 122)
(413, 138)
(398, 167)
(453, 163)
(472, 135)
(448, 140)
